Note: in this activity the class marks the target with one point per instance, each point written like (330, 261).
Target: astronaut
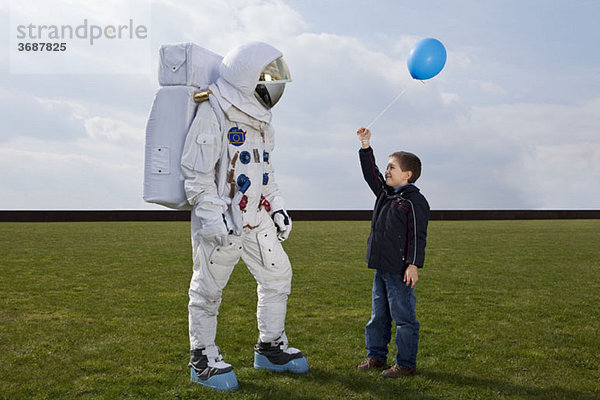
(238, 211)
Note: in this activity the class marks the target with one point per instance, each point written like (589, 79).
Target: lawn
(508, 310)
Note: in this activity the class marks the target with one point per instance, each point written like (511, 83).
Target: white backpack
(184, 69)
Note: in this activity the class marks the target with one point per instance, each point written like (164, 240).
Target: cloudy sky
(512, 122)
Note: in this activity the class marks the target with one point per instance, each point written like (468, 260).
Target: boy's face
(394, 176)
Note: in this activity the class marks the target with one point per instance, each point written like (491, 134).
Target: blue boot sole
(297, 365)
(226, 381)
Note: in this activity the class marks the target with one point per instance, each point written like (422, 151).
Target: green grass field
(508, 310)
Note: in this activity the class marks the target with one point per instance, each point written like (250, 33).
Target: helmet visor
(272, 82)
(276, 71)
(268, 94)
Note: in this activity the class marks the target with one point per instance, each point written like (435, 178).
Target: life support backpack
(185, 69)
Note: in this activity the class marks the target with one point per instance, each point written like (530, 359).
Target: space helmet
(271, 83)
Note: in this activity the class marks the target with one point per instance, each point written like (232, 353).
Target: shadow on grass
(351, 385)
(505, 388)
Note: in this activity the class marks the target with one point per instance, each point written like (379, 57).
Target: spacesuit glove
(215, 231)
(283, 222)
(221, 239)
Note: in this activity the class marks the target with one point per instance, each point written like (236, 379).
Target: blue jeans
(393, 301)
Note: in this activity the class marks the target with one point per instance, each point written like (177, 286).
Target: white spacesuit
(238, 211)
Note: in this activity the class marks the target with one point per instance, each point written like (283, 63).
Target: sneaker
(370, 363)
(397, 371)
(277, 356)
(207, 368)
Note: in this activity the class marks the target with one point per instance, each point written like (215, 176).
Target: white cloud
(516, 156)
(264, 18)
(534, 123)
(557, 177)
(42, 175)
(27, 114)
(56, 105)
(450, 98)
(489, 87)
(100, 128)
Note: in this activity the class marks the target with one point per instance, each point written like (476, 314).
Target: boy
(396, 249)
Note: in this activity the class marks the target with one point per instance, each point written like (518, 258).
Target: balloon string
(387, 108)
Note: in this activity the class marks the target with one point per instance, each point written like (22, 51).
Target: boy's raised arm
(367, 162)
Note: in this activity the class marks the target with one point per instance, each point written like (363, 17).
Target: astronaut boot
(207, 368)
(277, 356)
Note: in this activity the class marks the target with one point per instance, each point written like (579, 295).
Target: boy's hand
(364, 135)
(411, 275)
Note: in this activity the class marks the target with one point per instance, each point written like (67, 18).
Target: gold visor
(276, 71)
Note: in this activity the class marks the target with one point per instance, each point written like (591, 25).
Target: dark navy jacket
(399, 224)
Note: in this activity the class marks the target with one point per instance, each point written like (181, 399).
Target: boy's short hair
(408, 162)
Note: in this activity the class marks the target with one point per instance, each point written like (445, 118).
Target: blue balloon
(426, 59)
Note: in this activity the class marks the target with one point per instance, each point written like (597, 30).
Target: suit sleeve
(271, 189)
(200, 155)
(418, 218)
(370, 171)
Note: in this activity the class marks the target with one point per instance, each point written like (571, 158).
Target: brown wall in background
(297, 215)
